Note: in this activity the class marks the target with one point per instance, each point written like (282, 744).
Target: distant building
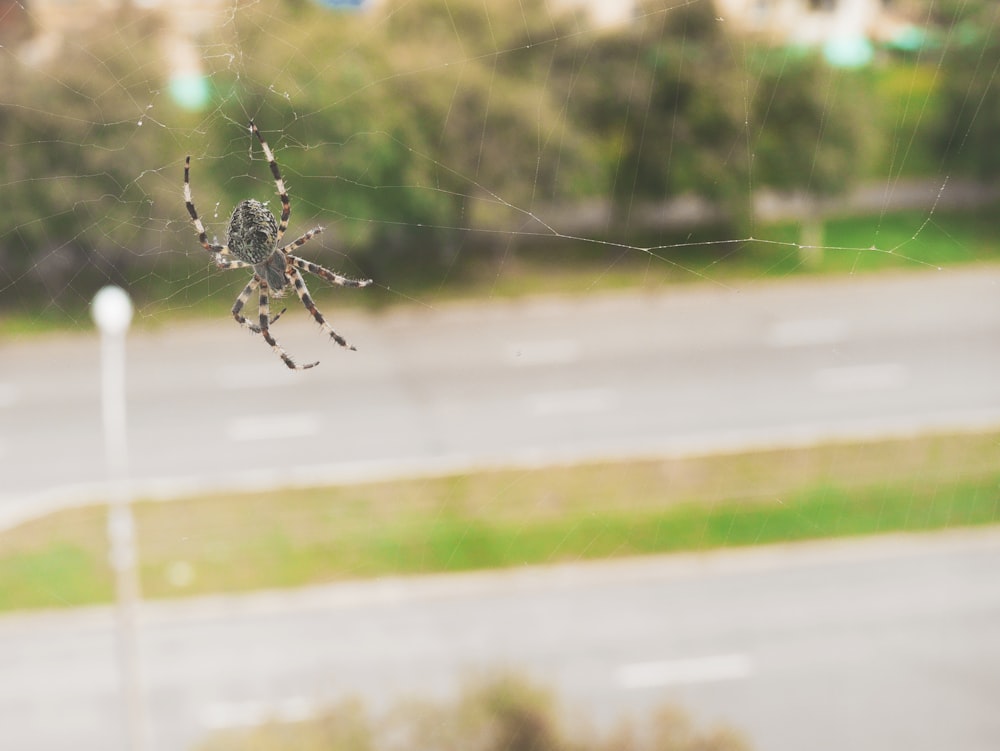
(807, 22)
(52, 22)
(814, 22)
(600, 13)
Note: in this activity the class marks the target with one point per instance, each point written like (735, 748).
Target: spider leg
(303, 293)
(242, 300)
(300, 241)
(324, 273)
(286, 206)
(217, 251)
(228, 262)
(264, 322)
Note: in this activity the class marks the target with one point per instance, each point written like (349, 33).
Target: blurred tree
(665, 96)
(71, 134)
(812, 132)
(498, 134)
(419, 126)
(969, 115)
(811, 125)
(465, 30)
(964, 14)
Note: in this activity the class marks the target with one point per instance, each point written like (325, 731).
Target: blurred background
(674, 420)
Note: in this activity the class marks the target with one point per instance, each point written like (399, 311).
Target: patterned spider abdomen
(253, 232)
(252, 237)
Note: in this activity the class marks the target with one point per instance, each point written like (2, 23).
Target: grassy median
(240, 542)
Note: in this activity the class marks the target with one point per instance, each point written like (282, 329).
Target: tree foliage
(664, 100)
(969, 116)
(811, 127)
(416, 127)
(72, 140)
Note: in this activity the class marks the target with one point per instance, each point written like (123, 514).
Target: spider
(253, 241)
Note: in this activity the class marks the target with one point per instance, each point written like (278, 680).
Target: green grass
(904, 240)
(58, 574)
(546, 266)
(232, 543)
(912, 240)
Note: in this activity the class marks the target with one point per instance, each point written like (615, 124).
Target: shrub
(500, 714)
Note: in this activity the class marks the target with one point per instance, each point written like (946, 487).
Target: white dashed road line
(870, 377)
(244, 714)
(572, 401)
(691, 670)
(268, 428)
(545, 352)
(807, 332)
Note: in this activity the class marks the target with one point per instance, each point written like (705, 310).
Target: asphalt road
(882, 644)
(693, 369)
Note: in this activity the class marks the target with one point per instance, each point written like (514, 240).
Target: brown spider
(252, 241)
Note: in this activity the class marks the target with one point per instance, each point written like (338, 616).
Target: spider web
(660, 248)
(499, 161)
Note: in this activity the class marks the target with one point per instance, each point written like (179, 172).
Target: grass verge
(231, 543)
(545, 266)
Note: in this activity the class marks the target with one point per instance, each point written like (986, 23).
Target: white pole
(112, 311)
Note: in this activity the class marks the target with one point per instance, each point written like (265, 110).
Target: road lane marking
(691, 670)
(572, 401)
(266, 428)
(871, 377)
(807, 332)
(243, 714)
(543, 352)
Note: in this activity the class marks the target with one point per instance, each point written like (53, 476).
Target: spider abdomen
(253, 232)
